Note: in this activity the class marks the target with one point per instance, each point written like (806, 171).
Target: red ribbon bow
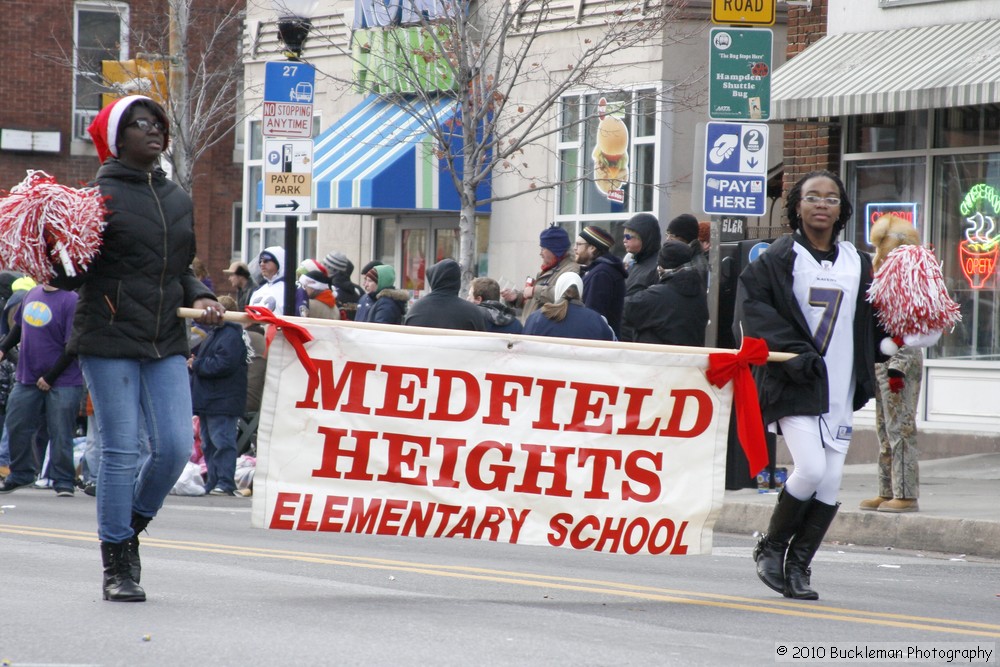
(726, 366)
(295, 334)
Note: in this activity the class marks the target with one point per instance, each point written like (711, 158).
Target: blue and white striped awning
(931, 67)
(380, 156)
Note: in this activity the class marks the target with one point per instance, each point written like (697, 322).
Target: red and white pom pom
(43, 223)
(909, 292)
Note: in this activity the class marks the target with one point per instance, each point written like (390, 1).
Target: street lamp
(294, 24)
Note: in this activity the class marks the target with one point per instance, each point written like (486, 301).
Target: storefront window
(967, 238)
(882, 132)
(967, 126)
(885, 186)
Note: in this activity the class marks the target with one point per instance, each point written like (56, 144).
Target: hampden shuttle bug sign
(505, 439)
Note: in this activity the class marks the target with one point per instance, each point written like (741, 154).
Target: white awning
(892, 70)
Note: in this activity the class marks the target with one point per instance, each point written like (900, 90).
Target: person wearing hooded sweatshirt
(389, 303)
(271, 293)
(442, 308)
(131, 345)
(642, 240)
(675, 310)
(567, 317)
(500, 318)
(685, 228)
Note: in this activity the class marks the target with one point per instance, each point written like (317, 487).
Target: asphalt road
(223, 593)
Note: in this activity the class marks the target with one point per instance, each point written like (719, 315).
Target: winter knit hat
(276, 253)
(105, 126)
(684, 227)
(597, 237)
(384, 278)
(316, 280)
(307, 265)
(338, 261)
(555, 240)
(674, 254)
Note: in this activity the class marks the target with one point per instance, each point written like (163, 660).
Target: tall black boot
(803, 547)
(118, 583)
(770, 550)
(139, 523)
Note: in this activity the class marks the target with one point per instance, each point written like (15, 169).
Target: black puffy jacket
(130, 294)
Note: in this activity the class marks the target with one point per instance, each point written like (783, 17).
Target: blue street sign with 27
(289, 81)
(736, 168)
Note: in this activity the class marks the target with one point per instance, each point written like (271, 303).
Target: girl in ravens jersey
(806, 295)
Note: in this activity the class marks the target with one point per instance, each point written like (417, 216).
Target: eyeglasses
(815, 199)
(146, 125)
(628, 237)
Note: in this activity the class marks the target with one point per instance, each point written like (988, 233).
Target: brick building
(48, 94)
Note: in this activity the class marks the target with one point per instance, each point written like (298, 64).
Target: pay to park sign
(601, 449)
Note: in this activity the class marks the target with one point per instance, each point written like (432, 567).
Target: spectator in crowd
(238, 274)
(684, 228)
(322, 302)
(556, 260)
(218, 397)
(641, 238)
(442, 307)
(705, 237)
(48, 389)
(485, 292)
(19, 289)
(603, 275)
(271, 293)
(201, 273)
(567, 317)
(348, 293)
(131, 345)
(368, 299)
(811, 397)
(389, 304)
(675, 310)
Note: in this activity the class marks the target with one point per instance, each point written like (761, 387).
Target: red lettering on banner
(332, 452)
(636, 473)
(546, 404)
(280, 519)
(400, 455)
(614, 534)
(445, 391)
(587, 405)
(401, 383)
(534, 467)
(599, 472)
(703, 417)
(499, 398)
(304, 522)
(362, 518)
(449, 459)
(331, 390)
(333, 509)
(391, 514)
(633, 413)
(501, 473)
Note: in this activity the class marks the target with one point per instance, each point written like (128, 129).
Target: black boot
(139, 523)
(118, 583)
(803, 547)
(770, 550)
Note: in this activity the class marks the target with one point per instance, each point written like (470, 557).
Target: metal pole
(291, 262)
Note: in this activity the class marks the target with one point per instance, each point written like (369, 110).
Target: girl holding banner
(807, 295)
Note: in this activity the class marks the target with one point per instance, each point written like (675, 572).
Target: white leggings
(818, 468)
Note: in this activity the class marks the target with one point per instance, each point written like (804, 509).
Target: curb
(899, 531)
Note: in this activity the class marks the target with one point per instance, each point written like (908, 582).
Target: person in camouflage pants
(896, 394)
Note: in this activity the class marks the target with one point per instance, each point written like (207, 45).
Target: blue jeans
(218, 444)
(27, 407)
(125, 391)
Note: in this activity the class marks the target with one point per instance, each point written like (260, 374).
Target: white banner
(502, 438)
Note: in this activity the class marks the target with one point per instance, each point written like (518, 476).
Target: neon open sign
(977, 254)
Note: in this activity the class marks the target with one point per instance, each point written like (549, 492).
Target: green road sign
(740, 74)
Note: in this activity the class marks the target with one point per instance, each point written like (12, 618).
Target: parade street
(223, 593)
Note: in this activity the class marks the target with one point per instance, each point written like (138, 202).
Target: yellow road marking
(634, 591)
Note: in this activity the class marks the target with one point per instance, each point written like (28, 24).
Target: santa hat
(104, 128)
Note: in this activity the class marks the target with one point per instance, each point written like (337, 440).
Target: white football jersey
(827, 294)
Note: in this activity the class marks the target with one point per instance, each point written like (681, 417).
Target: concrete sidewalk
(959, 509)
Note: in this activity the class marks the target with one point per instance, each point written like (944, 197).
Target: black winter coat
(604, 289)
(443, 308)
(672, 312)
(131, 292)
(642, 273)
(766, 307)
